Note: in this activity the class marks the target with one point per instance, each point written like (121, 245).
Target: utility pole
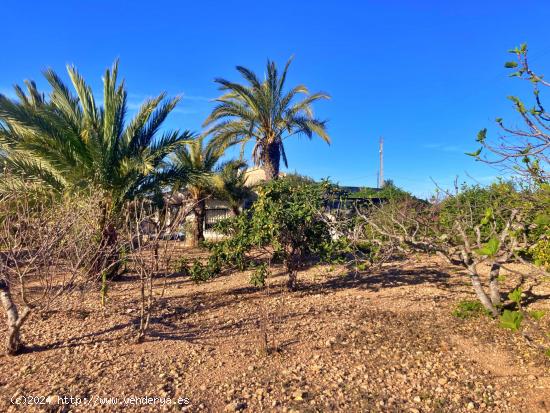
(381, 173)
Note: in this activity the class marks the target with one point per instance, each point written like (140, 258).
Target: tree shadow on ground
(83, 340)
(389, 278)
(173, 323)
(529, 297)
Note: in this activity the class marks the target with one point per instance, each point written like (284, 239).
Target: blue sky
(426, 75)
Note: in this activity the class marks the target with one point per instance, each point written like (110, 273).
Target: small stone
(417, 399)
(299, 395)
(235, 407)
(470, 406)
(53, 399)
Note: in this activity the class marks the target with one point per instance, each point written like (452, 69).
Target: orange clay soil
(384, 341)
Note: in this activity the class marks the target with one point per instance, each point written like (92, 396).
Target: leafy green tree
(68, 141)
(285, 222)
(265, 112)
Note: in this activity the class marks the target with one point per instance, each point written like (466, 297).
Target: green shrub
(259, 275)
(200, 272)
(537, 314)
(511, 320)
(181, 266)
(286, 223)
(490, 206)
(541, 253)
(469, 309)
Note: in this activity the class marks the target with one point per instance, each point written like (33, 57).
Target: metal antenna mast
(381, 173)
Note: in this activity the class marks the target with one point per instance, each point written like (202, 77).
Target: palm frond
(263, 111)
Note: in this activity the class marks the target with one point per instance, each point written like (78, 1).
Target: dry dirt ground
(380, 342)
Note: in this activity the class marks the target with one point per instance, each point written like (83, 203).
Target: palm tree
(68, 142)
(263, 111)
(201, 158)
(234, 189)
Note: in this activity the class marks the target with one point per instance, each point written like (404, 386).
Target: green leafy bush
(285, 223)
(181, 266)
(200, 272)
(515, 296)
(469, 309)
(259, 275)
(489, 206)
(388, 191)
(511, 319)
(541, 253)
(537, 314)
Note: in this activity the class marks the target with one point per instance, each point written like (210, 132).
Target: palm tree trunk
(107, 258)
(271, 160)
(199, 210)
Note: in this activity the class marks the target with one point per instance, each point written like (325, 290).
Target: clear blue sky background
(427, 75)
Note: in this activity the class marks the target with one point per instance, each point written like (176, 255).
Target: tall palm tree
(265, 112)
(68, 142)
(202, 159)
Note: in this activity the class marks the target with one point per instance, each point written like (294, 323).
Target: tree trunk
(292, 282)
(199, 210)
(112, 263)
(107, 258)
(14, 319)
(480, 292)
(271, 159)
(494, 290)
(292, 271)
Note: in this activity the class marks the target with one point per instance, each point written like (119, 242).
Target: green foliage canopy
(68, 141)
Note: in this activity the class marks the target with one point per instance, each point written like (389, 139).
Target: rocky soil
(379, 342)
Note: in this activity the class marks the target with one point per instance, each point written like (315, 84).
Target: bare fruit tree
(524, 150)
(469, 228)
(47, 248)
(150, 233)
